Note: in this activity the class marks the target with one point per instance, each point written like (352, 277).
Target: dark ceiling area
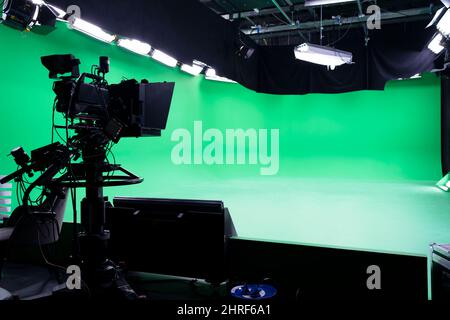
(189, 30)
(290, 22)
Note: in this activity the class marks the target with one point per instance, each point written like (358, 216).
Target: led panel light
(322, 55)
(211, 74)
(435, 44)
(164, 58)
(444, 24)
(61, 13)
(437, 17)
(444, 183)
(135, 46)
(194, 69)
(92, 30)
(313, 3)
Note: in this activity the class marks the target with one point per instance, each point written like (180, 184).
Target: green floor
(394, 217)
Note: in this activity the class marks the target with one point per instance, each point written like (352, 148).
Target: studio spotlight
(441, 21)
(444, 24)
(28, 14)
(437, 44)
(326, 56)
(437, 17)
(245, 52)
(444, 183)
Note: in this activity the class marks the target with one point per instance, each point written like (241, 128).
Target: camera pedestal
(93, 241)
(90, 249)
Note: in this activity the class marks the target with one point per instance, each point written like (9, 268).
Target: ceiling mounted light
(60, 13)
(211, 74)
(436, 44)
(135, 46)
(441, 21)
(92, 30)
(28, 14)
(438, 15)
(444, 24)
(325, 56)
(164, 58)
(195, 69)
(314, 3)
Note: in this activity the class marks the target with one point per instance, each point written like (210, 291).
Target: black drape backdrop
(445, 122)
(188, 30)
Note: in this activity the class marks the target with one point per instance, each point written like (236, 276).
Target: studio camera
(127, 109)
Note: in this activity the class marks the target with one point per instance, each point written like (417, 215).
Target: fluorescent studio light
(211, 74)
(164, 58)
(92, 30)
(322, 55)
(444, 24)
(61, 13)
(193, 69)
(435, 44)
(313, 3)
(135, 46)
(437, 17)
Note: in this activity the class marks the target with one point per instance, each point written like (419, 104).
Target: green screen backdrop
(354, 138)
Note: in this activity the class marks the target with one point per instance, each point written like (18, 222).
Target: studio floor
(393, 217)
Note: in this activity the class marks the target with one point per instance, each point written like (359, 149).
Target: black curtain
(445, 122)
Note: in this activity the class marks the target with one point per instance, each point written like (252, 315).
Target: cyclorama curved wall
(317, 159)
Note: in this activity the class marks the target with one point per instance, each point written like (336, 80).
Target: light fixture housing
(437, 17)
(211, 74)
(443, 25)
(29, 14)
(195, 69)
(444, 183)
(135, 45)
(92, 30)
(436, 44)
(164, 58)
(314, 3)
(322, 55)
(60, 13)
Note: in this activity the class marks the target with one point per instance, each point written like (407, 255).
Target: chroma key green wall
(372, 135)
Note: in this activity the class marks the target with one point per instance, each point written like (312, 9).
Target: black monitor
(186, 238)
